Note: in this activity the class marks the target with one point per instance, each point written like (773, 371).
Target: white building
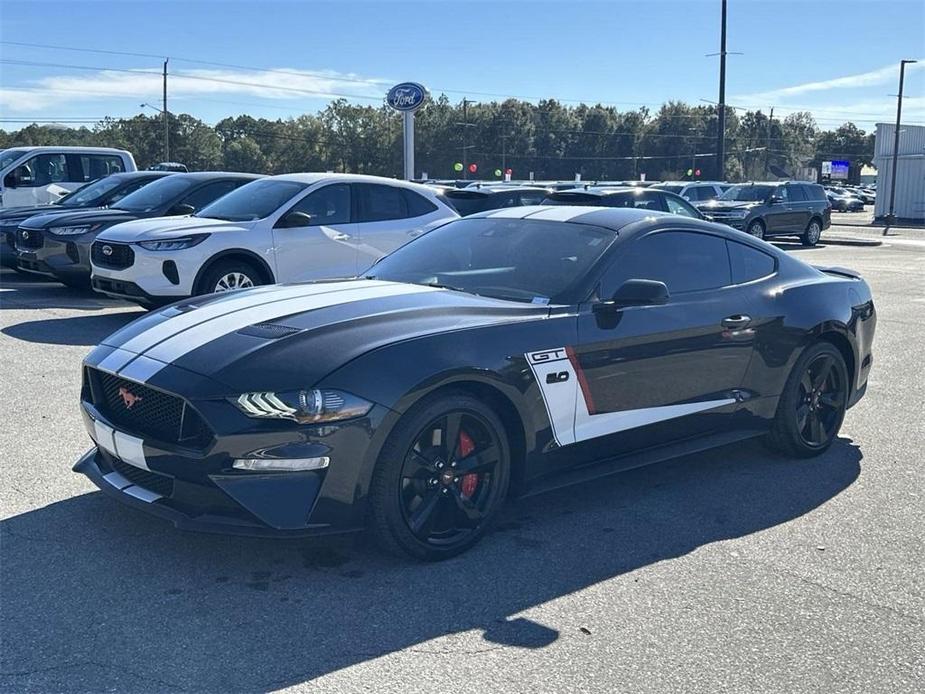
(910, 171)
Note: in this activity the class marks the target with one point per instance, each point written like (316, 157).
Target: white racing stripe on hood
(175, 347)
(174, 326)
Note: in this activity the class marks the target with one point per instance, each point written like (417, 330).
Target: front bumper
(198, 489)
(154, 276)
(64, 258)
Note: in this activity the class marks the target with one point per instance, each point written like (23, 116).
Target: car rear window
(749, 263)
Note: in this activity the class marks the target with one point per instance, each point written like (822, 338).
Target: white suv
(41, 175)
(287, 228)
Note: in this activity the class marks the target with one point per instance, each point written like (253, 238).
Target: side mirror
(180, 209)
(11, 180)
(294, 219)
(636, 293)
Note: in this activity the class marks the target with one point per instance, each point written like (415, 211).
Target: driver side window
(684, 261)
(327, 205)
(676, 206)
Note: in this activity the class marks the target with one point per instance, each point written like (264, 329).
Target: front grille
(118, 257)
(153, 481)
(29, 238)
(152, 412)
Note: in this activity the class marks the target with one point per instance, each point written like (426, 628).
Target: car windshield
(8, 156)
(749, 193)
(516, 259)
(252, 201)
(91, 193)
(156, 194)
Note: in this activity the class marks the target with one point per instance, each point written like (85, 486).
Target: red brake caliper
(468, 483)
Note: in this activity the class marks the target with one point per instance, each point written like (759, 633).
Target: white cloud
(884, 75)
(278, 84)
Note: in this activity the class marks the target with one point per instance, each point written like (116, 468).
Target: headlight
(73, 231)
(303, 406)
(738, 214)
(177, 244)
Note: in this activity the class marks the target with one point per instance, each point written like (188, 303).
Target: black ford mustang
(505, 353)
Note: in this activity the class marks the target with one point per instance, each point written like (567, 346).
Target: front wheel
(813, 404)
(756, 229)
(812, 234)
(229, 275)
(441, 478)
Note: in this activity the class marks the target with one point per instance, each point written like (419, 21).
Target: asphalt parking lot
(729, 571)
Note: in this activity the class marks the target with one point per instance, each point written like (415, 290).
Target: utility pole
(721, 134)
(767, 152)
(465, 137)
(166, 117)
(890, 217)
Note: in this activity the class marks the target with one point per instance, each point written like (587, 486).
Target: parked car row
(157, 236)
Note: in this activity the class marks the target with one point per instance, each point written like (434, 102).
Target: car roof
(614, 218)
(139, 174)
(208, 175)
(491, 190)
(601, 191)
(314, 177)
(70, 148)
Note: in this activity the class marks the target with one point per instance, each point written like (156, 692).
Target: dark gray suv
(773, 209)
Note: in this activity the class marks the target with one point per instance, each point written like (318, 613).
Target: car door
(779, 214)
(800, 206)
(389, 217)
(39, 180)
(653, 374)
(324, 248)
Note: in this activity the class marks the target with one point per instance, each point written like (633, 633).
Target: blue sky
(837, 58)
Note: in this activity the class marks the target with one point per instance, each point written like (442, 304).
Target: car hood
(168, 227)
(106, 216)
(288, 336)
(722, 205)
(14, 215)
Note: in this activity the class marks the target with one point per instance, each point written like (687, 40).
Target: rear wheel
(812, 234)
(229, 275)
(441, 478)
(756, 229)
(812, 406)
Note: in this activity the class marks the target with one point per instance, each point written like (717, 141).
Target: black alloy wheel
(441, 478)
(812, 407)
(812, 234)
(821, 401)
(756, 229)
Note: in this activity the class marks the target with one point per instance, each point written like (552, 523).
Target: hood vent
(268, 331)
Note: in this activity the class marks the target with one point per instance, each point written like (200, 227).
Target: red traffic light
(696, 172)
(473, 168)
(509, 171)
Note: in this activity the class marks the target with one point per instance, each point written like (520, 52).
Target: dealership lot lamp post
(890, 217)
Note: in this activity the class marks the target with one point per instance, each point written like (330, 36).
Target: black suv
(773, 209)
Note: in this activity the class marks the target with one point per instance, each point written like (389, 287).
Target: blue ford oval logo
(407, 96)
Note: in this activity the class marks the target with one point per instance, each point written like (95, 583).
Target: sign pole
(407, 119)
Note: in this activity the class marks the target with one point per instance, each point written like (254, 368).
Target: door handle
(736, 322)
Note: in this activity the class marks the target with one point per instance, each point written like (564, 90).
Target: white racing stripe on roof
(184, 321)
(562, 213)
(175, 347)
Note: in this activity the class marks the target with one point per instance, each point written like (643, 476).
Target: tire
(244, 273)
(420, 506)
(755, 228)
(812, 234)
(809, 397)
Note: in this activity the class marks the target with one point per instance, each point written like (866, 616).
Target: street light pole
(890, 217)
(721, 134)
(166, 118)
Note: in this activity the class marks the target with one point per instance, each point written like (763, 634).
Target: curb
(848, 241)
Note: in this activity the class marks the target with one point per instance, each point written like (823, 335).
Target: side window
(749, 263)
(680, 207)
(797, 193)
(705, 193)
(684, 261)
(44, 169)
(379, 203)
(327, 205)
(651, 200)
(104, 164)
(210, 192)
(782, 193)
(418, 205)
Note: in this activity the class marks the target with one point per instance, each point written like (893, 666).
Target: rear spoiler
(843, 271)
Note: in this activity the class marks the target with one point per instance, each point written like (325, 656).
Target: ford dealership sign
(407, 96)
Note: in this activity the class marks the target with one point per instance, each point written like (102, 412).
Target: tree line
(547, 138)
